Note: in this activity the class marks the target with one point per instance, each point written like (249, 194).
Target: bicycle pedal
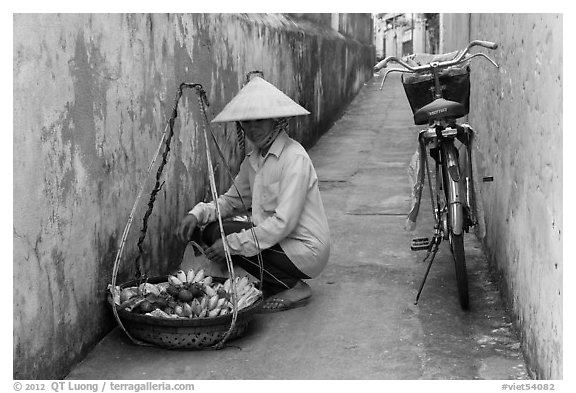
(420, 243)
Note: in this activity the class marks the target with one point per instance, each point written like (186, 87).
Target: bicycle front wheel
(457, 248)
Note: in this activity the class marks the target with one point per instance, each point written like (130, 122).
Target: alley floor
(362, 323)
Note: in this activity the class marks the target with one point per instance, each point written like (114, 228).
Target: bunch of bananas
(188, 295)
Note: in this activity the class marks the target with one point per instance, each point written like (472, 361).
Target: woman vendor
(278, 182)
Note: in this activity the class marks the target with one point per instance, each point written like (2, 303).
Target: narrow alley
(362, 323)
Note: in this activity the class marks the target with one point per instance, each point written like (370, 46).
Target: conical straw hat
(259, 99)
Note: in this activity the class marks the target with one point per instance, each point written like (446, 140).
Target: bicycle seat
(439, 109)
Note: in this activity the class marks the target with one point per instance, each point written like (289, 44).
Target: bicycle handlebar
(435, 64)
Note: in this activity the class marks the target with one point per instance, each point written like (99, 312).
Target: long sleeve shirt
(282, 189)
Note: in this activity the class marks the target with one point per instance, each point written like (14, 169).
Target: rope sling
(166, 138)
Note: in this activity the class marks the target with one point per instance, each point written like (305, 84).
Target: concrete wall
(454, 31)
(92, 96)
(356, 26)
(517, 111)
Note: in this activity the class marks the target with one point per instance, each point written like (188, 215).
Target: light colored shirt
(282, 189)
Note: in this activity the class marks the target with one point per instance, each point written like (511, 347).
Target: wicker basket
(183, 333)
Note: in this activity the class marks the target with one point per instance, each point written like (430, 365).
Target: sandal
(282, 301)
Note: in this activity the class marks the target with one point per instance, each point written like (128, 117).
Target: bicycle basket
(454, 80)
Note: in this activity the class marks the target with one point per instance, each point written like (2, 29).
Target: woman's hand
(186, 228)
(216, 252)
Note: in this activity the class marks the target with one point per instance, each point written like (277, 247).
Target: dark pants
(279, 271)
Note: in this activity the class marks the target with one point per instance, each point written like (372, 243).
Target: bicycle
(438, 90)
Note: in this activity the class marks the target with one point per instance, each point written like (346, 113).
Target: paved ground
(362, 323)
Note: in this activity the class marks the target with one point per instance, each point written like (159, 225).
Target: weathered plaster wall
(517, 111)
(454, 31)
(92, 96)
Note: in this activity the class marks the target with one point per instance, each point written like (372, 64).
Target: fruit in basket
(210, 292)
(145, 307)
(185, 295)
(199, 276)
(159, 313)
(213, 302)
(190, 295)
(197, 290)
(223, 294)
(172, 290)
(175, 281)
(186, 310)
(204, 303)
(196, 308)
(224, 311)
(162, 286)
(146, 288)
(157, 301)
(180, 275)
(128, 293)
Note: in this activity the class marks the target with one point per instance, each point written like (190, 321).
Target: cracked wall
(92, 97)
(517, 113)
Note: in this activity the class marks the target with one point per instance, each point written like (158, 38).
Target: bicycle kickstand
(432, 249)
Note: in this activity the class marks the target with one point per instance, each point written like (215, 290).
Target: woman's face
(258, 130)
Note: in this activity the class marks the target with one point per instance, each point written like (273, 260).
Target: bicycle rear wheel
(457, 248)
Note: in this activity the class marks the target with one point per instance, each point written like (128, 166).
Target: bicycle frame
(450, 209)
(452, 213)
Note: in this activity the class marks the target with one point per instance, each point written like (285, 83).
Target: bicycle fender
(455, 207)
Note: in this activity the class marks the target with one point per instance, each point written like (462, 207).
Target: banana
(214, 313)
(242, 304)
(227, 285)
(255, 291)
(190, 276)
(199, 276)
(221, 301)
(175, 281)
(204, 303)
(212, 302)
(203, 314)
(244, 290)
(248, 298)
(181, 276)
(243, 282)
(187, 310)
(224, 311)
(209, 291)
(242, 285)
(159, 313)
(196, 307)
